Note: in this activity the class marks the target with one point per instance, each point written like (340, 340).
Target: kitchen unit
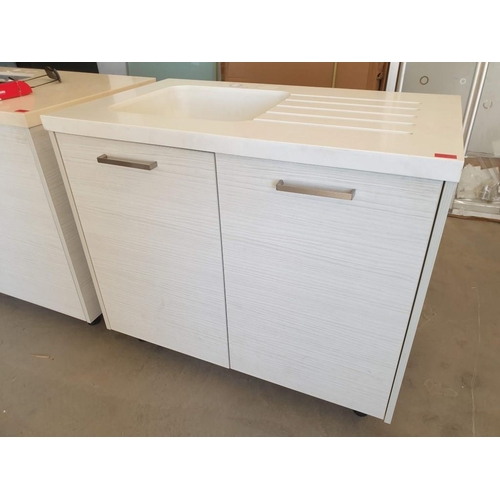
(285, 232)
(41, 255)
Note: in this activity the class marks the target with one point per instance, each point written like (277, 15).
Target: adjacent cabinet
(42, 259)
(41, 256)
(301, 275)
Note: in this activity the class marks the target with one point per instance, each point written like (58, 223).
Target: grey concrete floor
(101, 383)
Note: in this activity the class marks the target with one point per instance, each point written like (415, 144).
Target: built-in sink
(9, 76)
(204, 103)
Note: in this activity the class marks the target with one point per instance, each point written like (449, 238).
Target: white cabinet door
(154, 241)
(319, 290)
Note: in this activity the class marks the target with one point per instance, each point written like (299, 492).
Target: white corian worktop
(74, 88)
(387, 132)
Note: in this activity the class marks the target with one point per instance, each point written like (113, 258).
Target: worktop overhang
(427, 145)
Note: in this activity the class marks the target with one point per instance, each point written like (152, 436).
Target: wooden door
(348, 75)
(308, 74)
(361, 75)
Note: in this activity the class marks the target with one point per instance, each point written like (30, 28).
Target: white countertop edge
(441, 169)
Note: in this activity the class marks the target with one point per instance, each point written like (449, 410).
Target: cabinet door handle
(342, 194)
(143, 165)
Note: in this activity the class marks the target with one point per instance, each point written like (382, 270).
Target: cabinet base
(96, 321)
(359, 414)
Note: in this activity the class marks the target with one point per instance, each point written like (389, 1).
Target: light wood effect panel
(33, 263)
(153, 238)
(319, 290)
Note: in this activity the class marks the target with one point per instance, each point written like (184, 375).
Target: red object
(9, 90)
(21, 111)
(442, 155)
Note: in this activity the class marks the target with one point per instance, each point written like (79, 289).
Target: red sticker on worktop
(22, 110)
(442, 155)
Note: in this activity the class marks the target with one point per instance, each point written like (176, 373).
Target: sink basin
(204, 103)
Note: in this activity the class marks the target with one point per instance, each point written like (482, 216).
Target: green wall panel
(162, 70)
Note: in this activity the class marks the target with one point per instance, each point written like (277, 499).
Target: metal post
(392, 77)
(401, 77)
(473, 101)
(472, 106)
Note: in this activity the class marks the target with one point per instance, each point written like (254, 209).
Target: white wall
(485, 136)
(442, 78)
(112, 68)
(456, 78)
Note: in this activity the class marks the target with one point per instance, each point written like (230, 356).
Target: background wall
(439, 78)
(456, 79)
(162, 70)
(158, 70)
(112, 68)
(485, 136)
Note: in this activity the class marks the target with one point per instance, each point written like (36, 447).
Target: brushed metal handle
(143, 165)
(341, 194)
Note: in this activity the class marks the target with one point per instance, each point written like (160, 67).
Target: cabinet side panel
(64, 175)
(65, 222)
(33, 264)
(437, 232)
